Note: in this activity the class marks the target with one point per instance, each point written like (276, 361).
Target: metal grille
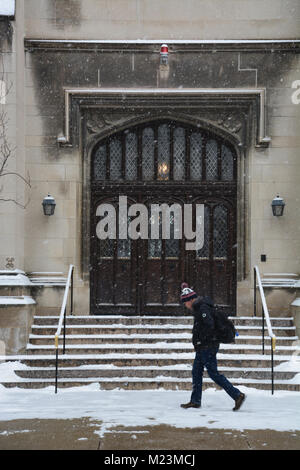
(179, 154)
(148, 154)
(196, 156)
(227, 164)
(115, 153)
(211, 160)
(100, 163)
(220, 232)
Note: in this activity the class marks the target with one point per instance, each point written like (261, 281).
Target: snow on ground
(261, 410)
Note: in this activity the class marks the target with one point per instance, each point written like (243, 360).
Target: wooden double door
(154, 164)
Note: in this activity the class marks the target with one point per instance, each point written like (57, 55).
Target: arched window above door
(164, 151)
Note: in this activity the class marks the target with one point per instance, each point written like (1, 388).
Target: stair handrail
(62, 319)
(265, 316)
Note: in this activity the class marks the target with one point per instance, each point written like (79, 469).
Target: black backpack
(224, 328)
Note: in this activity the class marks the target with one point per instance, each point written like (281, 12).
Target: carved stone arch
(216, 125)
(212, 126)
(232, 109)
(115, 127)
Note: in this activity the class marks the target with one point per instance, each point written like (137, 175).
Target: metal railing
(62, 320)
(265, 318)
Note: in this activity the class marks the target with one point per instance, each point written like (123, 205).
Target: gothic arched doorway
(167, 162)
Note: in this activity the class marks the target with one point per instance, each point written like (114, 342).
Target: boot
(239, 401)
(190, 405)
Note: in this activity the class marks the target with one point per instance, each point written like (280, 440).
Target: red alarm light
(164, 53)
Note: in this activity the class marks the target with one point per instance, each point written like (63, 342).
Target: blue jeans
(208, 358)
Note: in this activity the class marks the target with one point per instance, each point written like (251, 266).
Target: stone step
(149, 320)
(109, 330)
(151, 330)
(148, 360)
(159, 348)
(115, 320)
(183, 371)
(39, 339)
(150, 352)
(148, 384)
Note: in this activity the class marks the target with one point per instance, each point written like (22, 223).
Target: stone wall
(267, 171)
(52, 243)
(170, 19)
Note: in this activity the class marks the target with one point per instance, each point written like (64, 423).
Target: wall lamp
(49, 205)
(278, 206)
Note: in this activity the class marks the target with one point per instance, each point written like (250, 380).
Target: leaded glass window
(163, 169)
(196, 156)
(124, 245)
(204, 252)
(155, 245)
(211, 160)
(172, 244)
(106, 248)
(220, 232)
(100, 163)
(227, 164)
(179, 154)
(115, 153)
(154, 248)
(164, 151)
(148, 146)
(131, 157)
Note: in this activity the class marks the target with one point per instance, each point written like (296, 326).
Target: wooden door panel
(153, 282)
(220, 292)
(104, 290)
(173, 279)
(212, 267)
(124, 283)
(154, 269)
(164, 162)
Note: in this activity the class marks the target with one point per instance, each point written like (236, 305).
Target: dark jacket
(204, 325)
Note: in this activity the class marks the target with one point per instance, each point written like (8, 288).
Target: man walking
(206, 347)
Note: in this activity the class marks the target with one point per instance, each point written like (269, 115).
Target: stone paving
(83, 434)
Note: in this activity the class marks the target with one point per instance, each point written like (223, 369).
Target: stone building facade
(84, 75)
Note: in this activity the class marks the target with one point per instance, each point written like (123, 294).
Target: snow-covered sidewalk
(261, 410)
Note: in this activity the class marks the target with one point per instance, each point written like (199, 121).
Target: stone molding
(210, 100)
(153, 45)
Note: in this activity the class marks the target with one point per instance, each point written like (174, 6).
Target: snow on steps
(150, 352)
(157, 348)
(91, 338)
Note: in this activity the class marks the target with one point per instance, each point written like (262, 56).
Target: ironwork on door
(156, 163)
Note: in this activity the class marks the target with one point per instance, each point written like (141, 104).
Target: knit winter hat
(187, 293)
